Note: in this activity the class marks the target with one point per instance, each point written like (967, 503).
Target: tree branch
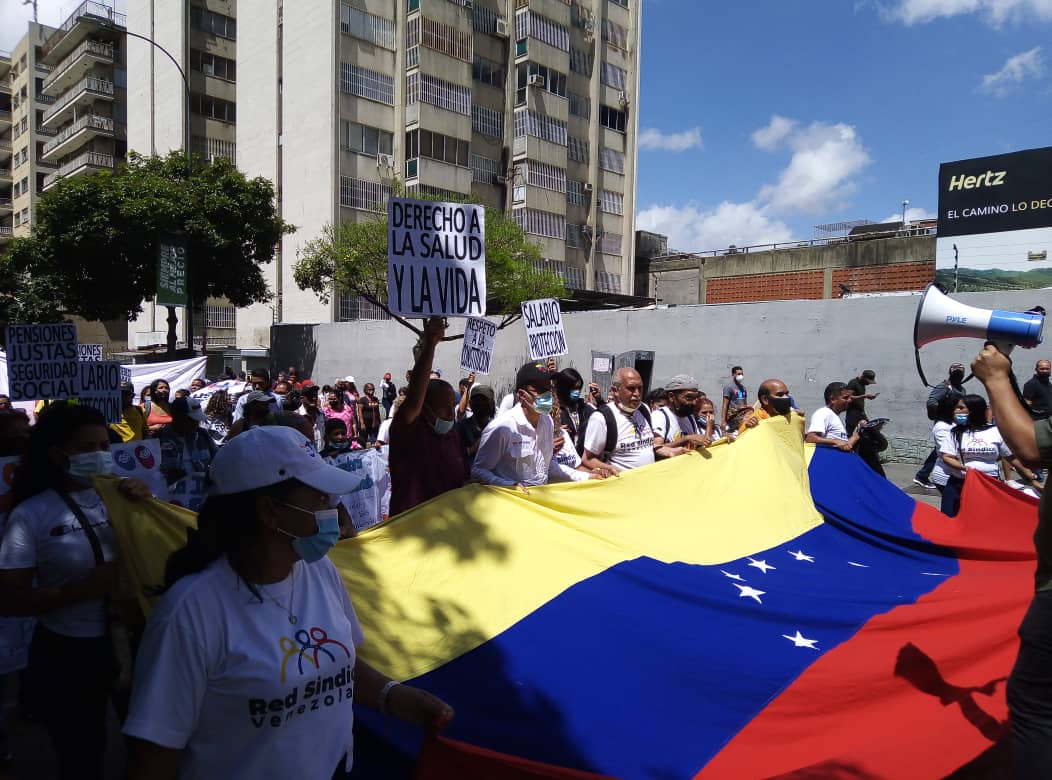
(509, 319)
(399, 319)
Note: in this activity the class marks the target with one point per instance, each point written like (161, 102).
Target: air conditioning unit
(469, 4)
(623, 98)
(502, 28)
(385, 161)
(537, 80)
(588, 186)
(586, 230)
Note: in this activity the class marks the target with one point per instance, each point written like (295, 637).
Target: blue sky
(762, 118)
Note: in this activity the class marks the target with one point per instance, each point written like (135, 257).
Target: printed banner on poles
(436, 258)
(42, 361)
(477, 353)
(543, 321)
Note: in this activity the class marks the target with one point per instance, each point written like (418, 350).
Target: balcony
(83, 93)
(5, 120)
(5, 148)
(49, 164)
(77, 65)
(50, 132)
(45, 100)
(6, 233)
(5, 205)
(88, 162)
(76, 135)
(5, 85)
(87, 19)
(5, 175)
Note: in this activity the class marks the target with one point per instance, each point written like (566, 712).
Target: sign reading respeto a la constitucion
(436, 258)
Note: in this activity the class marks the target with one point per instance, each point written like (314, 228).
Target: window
(484, 20)
(423, 88)
(213, 148)
(367, 27)
(488, 72)
(211, 22)
(213, 108)
(612, 118)
(575, 193)
(580, 16)
(611, 160)
(580, 106)
(540, 223)
(366, 83)
(574, 277)
(547, 265)
(413, 5)
(606, 282)
(540, 126)
(549, 177)
(577, 149)
(366, 140)
(613, 76)
(554, 81)
(576, 236)
(622, 3)
(440, 37)
(484, 170)
(529, 24)
(353, 307)
(16, 190)
(609, 243)
(611, 202)
(581, 62)
(213, 65)
(220, 317)
(487, 121)
(615, 35)
(362, 194)
(25, 185)
(435, 146)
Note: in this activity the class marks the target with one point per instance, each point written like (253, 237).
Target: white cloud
(654, 139)
(913, 214)
(14, 18)
(1016, 70)
(819, 176)
(691, 228)
(996, 12)
(768, 138)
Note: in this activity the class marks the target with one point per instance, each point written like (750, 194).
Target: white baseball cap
(270, 454)
(349, 379)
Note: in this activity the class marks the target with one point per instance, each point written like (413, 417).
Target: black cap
(127, 387)
(869, 375)
(531, 374)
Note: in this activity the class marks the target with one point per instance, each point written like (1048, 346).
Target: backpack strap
(668, 422)
(85, 524)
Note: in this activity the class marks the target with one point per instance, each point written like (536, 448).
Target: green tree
(352, 258)
(93, 250)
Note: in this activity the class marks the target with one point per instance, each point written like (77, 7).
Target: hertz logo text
(988, 179)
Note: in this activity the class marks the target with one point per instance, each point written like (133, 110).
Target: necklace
(292, 598)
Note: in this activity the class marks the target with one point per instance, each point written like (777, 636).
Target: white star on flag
(761, 565)
(800, 556)
(859, 565)
(801, 641)
(749, 593)
(732, 576)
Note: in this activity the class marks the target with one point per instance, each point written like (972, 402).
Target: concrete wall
(806, 343)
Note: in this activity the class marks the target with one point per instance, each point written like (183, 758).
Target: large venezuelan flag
(733, 614)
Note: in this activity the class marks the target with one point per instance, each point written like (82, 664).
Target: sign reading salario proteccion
(42, 361)
(477, 352)
(436, 258)
(100, 387)
(997, 212)
(543, 321)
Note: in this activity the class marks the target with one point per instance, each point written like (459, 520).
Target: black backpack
(611, 427)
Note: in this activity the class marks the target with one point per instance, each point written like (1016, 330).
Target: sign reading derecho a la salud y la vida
(436, 258)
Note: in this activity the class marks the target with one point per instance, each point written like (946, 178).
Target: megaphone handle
(1005, 349)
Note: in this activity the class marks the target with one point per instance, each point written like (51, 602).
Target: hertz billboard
(998, 212)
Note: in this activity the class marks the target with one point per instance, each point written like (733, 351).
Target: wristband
(382, 703)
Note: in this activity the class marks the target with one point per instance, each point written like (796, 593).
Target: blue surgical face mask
(575, 395)
(703, 420)
(960, 419)
(544, 403)
(442, 427)
(315, 547)
(84, 466)
(340, 445)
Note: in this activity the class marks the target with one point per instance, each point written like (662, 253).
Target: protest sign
(42, 361)
(436, 258)
(99, 387)
(142, 460)
(126, 375)
(171, 271)
(231, 387)
(90, 352)
(543, 321)
(369, 501)
(477, 353)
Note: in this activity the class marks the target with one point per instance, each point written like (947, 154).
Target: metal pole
(955, 267)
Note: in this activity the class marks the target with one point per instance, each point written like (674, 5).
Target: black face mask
(684, 410)
(781, 404)
(956, 377)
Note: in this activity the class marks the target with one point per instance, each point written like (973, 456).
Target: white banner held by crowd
(436, 258)
(90, 352)
(543, 321)
(42, 361)
(142, 460)
(477, 353)
(100, 387)
(231, 387)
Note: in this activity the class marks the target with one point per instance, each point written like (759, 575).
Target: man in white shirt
(676, 428)
(517, 447)
(259, 379)
(632, 444)
(826, 427)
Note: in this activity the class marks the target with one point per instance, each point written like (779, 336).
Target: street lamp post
(189, 168)
(905, 205)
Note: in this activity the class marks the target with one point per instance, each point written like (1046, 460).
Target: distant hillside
(982, 280)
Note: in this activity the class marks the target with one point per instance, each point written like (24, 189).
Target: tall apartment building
(529, 105)
(201, 35)
(6, 182)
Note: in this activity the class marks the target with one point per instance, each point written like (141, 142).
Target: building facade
(527, 105)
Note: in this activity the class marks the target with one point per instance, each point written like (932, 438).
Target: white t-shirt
(43, 534)
(671, 427)
(15, 632)
(635, 439)
(507, 403)
(981, 450)
(384, 434)
(226, 678)
(940, 473)
(827, 424)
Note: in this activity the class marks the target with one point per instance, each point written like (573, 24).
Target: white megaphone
(941, 317)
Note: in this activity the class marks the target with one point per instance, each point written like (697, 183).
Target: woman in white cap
(249, 666)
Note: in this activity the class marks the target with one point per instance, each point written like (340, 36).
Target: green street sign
(172, 276)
